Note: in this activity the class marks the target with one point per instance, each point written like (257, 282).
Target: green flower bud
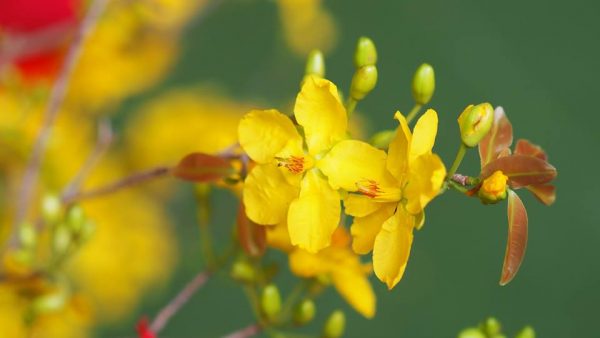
(335, 325)
(491, 326)
(270, 302)
(50, 302)
(471, 333)
(363, 82)
(304, 312)
(315, 64)
(475, 122)
(423, 84)
(51, 209)
(526, 332)
(365, 54)
(27, 235)
(75, 218)
(243, 272)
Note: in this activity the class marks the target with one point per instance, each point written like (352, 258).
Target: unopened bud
(491, 326)
(271, 302)
(51, 209)
(423, 84)
(475, 122)
(27, 235)
(493, 189)
(50, 302)
(75, 218)
(304, 312)
(315, 64)
(365, 54)
(363, 82)
(471, 333)
(335, 325)
(243, 272)
(526, 332)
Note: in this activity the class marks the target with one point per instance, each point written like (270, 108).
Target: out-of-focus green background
(538, 59)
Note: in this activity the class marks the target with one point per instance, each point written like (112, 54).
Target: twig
(118, 185)
(248, 331)
(176, 303)
(57, 96)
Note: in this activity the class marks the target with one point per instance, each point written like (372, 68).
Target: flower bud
(304, 312)
(335, 325)
(471, 333)
(475, 122)
(271, 302)
(491, 326)
(315, 64)
(493, 190)
(243, 272)
(365, 54)
(50, 302)
(423, 84)
(51, 209)
(75, 218)
(363, 82)
(526, 332)
(27, 235)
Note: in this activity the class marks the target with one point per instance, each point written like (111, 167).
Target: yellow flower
(301, 185)
(493, 188)
(337, 263)
(388, 210)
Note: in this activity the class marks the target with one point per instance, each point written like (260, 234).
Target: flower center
(373, 189)
(295, 164)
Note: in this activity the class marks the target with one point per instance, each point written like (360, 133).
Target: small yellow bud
(243, 272)
(526, 332)
(50, 302)
(51, 208)
(471, 333)
(363, 82)
(423, 84)
(491, 326)
(304, 312)
(335, 325)
(365, 54)
(315, 64)
(271, 302)
(475, 122)
(493, 189)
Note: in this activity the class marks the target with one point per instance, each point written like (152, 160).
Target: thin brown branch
(161, 320)
(126, 182)
(246, 332)
(55, 101)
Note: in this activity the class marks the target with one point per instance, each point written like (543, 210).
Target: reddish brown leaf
(499, 138)
(544, 193)
(516, 244)
(252, 236)
(522, 170)
(200, 167)
(525, 147)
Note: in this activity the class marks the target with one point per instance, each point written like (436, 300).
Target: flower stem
(161, 320)
(351, 106)
(413, 113)
(459, 157)
(248, 331)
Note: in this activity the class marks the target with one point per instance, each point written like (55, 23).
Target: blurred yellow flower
(305, 182)
(392, 206)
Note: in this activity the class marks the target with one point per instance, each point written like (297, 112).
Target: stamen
(295, 164)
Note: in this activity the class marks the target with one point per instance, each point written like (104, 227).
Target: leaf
(200, 167)
(522, 170)
(499, 138)
(252, 236)
(525, 147)
(544, 193)
(516, 244)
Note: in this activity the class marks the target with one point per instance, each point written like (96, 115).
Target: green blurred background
(537, 59)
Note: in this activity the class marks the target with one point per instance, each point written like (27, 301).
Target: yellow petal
(279, 238)
(359, 205)
(365, 229)
(427, 173)
(397, 160)
(305, 264)
(319, 110)
(265, 134)
(315, 214)
(424, 134)
(267, 194)
(354, 286)
(392, 247)
(350, 161)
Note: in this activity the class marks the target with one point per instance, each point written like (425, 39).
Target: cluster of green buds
(491, 328)
(365, 76)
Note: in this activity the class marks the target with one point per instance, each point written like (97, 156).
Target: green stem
(413, 113)
(203, 220)
(351, 106)
(459, 157)
(457, 187)
(291, 300)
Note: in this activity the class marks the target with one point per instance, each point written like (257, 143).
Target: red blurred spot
(30, 15)
(143, 329)
(39, 67)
